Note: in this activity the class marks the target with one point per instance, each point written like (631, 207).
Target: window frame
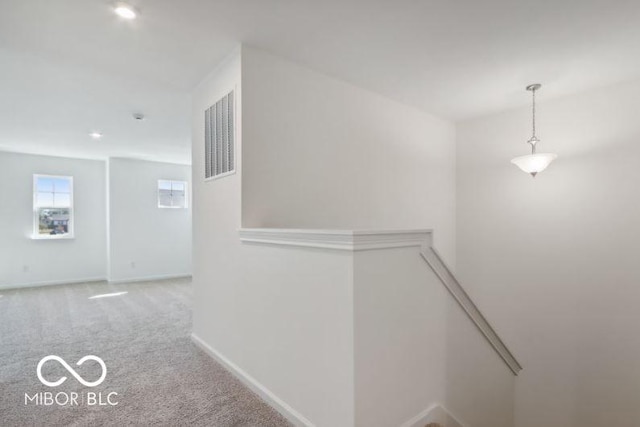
(36, 217)
(186, 194)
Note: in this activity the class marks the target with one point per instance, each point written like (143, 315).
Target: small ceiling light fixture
(534, 162)
(125, 11)
(95, 135)
(138, 117)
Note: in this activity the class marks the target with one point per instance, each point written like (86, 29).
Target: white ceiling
(68, 67)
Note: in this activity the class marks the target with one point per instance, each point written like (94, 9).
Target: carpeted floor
(161, 378)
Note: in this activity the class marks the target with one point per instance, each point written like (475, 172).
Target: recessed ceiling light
(95, 135)
(125, 11)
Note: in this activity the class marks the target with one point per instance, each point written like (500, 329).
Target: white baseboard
(435, 413)
(278, 404)
(52, 283)
(150, 278)
(93, 279)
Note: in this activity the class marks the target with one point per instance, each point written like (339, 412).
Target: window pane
(62, 200)
(44, 199)
(178, 199)
(62, 185)
(44, 185)
(164, 198)
(177, 186)
(53, 222)
(172, 193)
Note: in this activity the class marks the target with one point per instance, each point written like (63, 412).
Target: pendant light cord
(533, 121)
(533, 110)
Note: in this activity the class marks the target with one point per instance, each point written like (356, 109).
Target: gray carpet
(161, 377)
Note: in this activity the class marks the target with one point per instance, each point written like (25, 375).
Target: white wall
(264, 309)
(314, 152)
(553, 261)
(216, 210)
(146, 241)
(416, 347)
(24, 261)
(321, 153)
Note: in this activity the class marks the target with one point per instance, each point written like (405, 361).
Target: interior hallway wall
(216, 218)
(25, 261)
(553, 261)
(146, 241)
(313, 152)
(322, 153)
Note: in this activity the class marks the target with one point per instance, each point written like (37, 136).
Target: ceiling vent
(219, 138)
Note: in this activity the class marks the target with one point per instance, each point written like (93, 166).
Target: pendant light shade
(535, 162)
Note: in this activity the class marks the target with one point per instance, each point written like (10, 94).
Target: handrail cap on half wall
(364, 240)
(347, 240)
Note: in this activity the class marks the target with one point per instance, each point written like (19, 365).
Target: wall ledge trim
(363, 240)
(346, 240)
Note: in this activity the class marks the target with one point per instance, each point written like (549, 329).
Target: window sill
(53, 237)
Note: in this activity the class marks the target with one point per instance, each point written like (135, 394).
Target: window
(219, 138)
(172, 194)
(52, 207)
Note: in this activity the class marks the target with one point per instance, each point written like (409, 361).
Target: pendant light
(534, 162)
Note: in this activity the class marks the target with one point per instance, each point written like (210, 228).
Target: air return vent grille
(219, 138)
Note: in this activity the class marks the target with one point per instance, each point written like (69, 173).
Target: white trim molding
(151, 278)
(457, 291)
(267, 395)
(93, 280)
(53, 283)
(346, 240)
(435, 413)
(362, 240)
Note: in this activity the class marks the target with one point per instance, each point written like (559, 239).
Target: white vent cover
(219, 138)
